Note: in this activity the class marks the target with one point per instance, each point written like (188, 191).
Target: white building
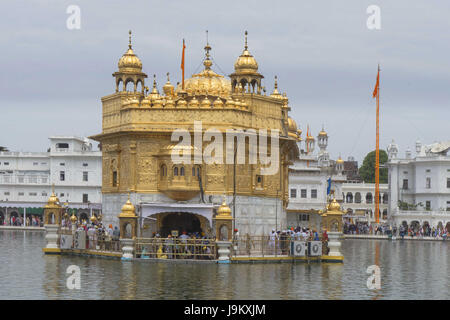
(420, 186)
(71, 164)
(308, 182)
(359, 202)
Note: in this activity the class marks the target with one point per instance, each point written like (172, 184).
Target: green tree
(367, 170)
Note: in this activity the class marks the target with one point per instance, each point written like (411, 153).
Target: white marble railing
(421, 213)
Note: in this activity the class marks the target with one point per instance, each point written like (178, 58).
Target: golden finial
(246, 33)
(168, 80)
(207, 47)
(276, 82)
(129, 39)
(154, 81)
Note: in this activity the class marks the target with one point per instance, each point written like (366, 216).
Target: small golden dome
(339, 160)
(292, 125)
(275, 93)
(311, 138)
(93, 219)
(193, 103)
(128, 209)
(218, 103)
(299, 132)
(224, 210)
(169, 102)
(334, 208)
(246, 63)
(73, 218)
(53, 199)
(154, 95)
(168, 87)
(181, 103)
(130, 61)
(322, 133)
(206, 103)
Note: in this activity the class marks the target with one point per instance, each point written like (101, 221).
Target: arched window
(175, 171)
(385, 198)
(129, 85)
(139, 86)
(349, 198)
(163, 171)
(369, 197)
(182, 171)
(357, 197)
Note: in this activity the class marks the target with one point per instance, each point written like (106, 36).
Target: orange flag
(377, 85)
(182, 66)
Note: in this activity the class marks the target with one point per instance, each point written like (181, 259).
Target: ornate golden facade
(138, 124)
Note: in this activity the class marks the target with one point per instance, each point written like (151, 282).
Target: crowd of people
(98, 236)
(401, 231)
(193, 245)
(31, 221)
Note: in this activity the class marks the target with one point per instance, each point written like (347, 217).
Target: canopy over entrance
(179, 217)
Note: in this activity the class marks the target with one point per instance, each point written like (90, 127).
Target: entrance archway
(84, 216)
(415, 225)
(180, 221)
(447, 226)
(2, 218)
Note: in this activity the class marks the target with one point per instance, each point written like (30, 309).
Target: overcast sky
(325, 57)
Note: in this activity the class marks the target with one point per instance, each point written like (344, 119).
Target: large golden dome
(207, 82)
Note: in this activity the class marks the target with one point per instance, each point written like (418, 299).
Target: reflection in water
(409, 270)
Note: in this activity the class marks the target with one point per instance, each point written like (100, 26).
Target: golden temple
(137, 125)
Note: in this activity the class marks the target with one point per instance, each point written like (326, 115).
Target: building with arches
(308, 182)
(70, 164)
(137, 128)
(359, 202)
(420, 185)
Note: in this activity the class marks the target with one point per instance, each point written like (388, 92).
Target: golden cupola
(128, 209)
(207, 82)
(130, 62)
(53, 201)
(246, 77)
(130, 70)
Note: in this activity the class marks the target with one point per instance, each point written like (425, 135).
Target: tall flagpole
(182, 66)
(377, 155)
